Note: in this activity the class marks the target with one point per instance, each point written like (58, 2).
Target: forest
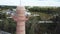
(32, 25)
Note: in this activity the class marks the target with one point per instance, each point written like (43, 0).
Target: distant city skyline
(30, 2)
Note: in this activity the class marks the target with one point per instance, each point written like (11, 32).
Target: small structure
(45, 22)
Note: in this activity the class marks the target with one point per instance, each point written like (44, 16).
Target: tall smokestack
(20, 18)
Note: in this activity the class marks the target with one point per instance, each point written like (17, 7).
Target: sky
(30, 2)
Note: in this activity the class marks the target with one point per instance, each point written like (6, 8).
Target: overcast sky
(31, 2)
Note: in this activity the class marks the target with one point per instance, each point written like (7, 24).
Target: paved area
(3, 32)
